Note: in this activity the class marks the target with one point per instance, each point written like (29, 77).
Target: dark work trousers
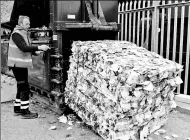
(22, 97)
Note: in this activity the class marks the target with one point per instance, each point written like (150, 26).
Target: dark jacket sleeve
(21, 44)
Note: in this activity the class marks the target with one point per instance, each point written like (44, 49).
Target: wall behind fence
(159, 26)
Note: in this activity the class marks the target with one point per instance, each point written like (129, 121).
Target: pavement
(15, 128)
(183, 103)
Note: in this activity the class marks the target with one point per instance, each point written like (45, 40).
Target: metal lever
(44, 56)
(101, 15)
(99, 24)
(94, 20)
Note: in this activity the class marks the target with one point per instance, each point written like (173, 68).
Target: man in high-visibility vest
(19, 60)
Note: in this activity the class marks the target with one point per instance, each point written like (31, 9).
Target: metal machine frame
(69, 21)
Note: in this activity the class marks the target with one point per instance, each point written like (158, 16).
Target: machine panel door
(39, 74)
(36, 74)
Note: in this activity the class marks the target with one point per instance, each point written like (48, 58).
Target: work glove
(38, 52)
(43, 48)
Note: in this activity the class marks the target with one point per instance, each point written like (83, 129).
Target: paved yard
(15, 128)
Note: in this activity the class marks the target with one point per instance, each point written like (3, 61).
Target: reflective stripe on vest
(20, 59)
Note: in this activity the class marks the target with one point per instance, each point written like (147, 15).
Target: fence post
(119, 22)
(155, 23)
(122, 21)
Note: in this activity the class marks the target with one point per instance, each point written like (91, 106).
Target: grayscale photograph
(95, 69)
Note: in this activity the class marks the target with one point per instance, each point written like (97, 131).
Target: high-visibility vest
(16, 57)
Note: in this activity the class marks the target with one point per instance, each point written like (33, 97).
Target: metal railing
(159, 26)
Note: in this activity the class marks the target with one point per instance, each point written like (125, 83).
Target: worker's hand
(44, 28)
(43, 47)
(38, 52)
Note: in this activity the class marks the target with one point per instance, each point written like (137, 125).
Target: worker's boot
(24, 96)
(26, 114)
(17, 110)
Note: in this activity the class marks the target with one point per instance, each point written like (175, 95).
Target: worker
(19, 60)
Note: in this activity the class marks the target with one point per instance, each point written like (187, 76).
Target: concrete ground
(15, 128)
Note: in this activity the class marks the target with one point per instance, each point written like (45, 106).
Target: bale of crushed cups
(121, 90)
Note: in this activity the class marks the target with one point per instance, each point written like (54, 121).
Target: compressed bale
(119, 89)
